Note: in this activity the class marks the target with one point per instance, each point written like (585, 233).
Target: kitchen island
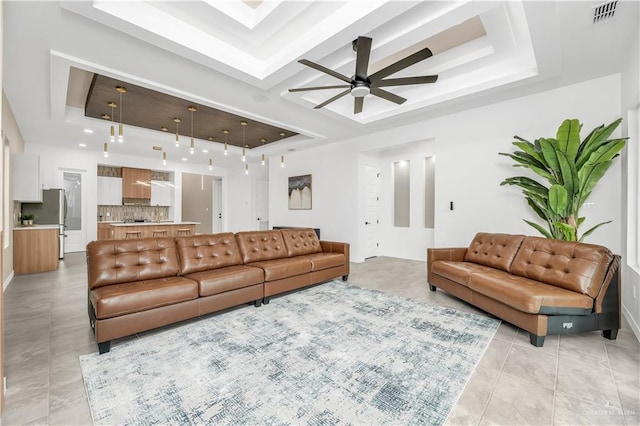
(35, 249)
(123, 230)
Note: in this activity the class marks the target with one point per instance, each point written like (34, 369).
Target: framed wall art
(300, 192)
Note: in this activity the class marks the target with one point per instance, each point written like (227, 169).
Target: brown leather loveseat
(140, 284)
(540, 285)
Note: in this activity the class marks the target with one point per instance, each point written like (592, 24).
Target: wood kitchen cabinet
(136, 183)
(35, 250)
(104, 231)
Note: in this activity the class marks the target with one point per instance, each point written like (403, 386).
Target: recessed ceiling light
(205, 150)
(82, 145)
(184, 158)
(88, 131)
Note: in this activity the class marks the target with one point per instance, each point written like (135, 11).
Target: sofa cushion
(121, 261)
(218, 281)
(121, 299)
(261, 245)
(277, 269)
(494, 250)
(205, 252)
(458, 272)
(301, 241)
(320, 261)
(574, 266)
(528, 295)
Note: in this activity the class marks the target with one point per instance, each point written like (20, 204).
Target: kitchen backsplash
(122, 213)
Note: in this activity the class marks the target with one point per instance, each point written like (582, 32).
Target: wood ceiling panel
(152, 110)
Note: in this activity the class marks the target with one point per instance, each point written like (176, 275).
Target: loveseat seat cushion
(301, 241)
(205, 252)
(257, 246)
(530, 296)
(122, 299)
(494, 250)
(229, 278)
(121, 261)
(574, 266)
(277, 269)
(320, 261)
(458, 272)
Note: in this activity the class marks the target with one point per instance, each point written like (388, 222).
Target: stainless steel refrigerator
(51, 211)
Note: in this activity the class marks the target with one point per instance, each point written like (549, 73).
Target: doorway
(371, 211)
(262, 204)
(197, 201)
(75, 233)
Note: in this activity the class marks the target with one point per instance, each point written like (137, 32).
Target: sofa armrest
(608, 298)
(454, 254)
(335, 247)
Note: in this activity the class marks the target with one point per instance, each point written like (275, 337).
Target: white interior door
(73, 182)
(217, 206)
(262, 204)
(372, 205)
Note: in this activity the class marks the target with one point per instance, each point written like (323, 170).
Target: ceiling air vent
(604, 11)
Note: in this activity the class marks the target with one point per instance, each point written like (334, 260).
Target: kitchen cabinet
(105, 231)
(160, 193)
(35, 249)
(150, 229)
(109, 191)
(136, 183)
(26, 178)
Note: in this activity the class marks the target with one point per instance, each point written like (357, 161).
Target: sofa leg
(536, 341)
(610, 334)
(345, 277)
(265, 300)
(104, 347)
(257, 303)
(432, 287)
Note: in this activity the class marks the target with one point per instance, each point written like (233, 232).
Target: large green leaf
(606, 152)
(539, 209)
(569, 179)
(549, 153)
(558, 200)
(568, 136)
(540, 229)
(526, 183)
(530, 149)
(589, 177)
(590, 231)
(568, 231)
(597, 136)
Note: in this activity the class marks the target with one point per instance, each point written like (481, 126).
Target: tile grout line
(613, 376)
(555, 383)
(495, 384)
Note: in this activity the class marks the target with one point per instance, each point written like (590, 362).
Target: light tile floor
(577, 379)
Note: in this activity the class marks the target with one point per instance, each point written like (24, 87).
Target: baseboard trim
(634, 325)
(5, 284)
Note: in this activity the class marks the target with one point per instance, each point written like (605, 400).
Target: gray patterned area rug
(330, 354)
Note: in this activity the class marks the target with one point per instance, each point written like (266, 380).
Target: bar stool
(183, 232)
(159, 233)
(133, 234)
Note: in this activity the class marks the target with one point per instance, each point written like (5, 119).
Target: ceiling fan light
(360, 91)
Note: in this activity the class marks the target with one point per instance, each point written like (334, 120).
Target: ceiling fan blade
(387, 95)
(302, 89)
(357, 105)
(420, 55)
(325, 70)
(406, 81)
(328, 101)
(363, 51)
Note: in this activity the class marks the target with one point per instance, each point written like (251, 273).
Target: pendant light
(121, 90)
(193, 144)
(263, 140)
(246, 169)
(106, 150)
(244, 147)
(282, 135)
(177, 121)
(164, 158)
(210, 163)
(226, 132)
(112, 138)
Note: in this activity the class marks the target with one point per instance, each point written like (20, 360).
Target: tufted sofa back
(121, 261)
(301, 241)
(575, 266)
(493, 250)
(256, 246)
(204, 252)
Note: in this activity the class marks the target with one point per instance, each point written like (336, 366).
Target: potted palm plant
(571, 169)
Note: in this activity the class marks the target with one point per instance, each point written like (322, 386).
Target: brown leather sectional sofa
(540, 285)
(140, 284)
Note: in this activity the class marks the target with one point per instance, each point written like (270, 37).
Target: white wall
(468, 169)
(235, 182)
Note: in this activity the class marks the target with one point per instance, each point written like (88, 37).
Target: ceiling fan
(362, 84)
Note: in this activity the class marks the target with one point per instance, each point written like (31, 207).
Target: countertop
(151, 223)
(35, 227)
